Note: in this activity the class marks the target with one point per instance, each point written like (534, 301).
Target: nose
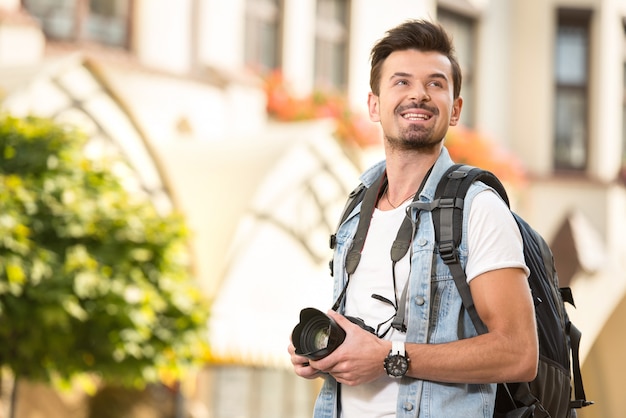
(420, 94)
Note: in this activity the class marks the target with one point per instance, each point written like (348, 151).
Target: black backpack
(550, 393)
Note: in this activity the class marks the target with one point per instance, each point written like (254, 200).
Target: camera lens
(317, 335)
(320, 340)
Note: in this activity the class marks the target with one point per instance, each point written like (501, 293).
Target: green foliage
(92, 278)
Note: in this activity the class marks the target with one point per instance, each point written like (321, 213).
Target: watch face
(396, 365)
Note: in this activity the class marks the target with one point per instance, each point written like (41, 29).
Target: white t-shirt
(494, 242)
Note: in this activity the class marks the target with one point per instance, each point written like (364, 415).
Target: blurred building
(177, 89)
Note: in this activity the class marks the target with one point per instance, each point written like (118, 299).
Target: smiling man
(427, 359)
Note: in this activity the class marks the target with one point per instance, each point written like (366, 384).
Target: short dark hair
(421, 35)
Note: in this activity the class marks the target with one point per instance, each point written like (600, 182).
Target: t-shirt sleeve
(494, 239)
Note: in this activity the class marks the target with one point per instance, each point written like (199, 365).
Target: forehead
(416, 63)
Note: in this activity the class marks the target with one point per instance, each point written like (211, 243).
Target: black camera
(317, 335)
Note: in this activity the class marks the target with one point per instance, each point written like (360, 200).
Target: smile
(416, 116)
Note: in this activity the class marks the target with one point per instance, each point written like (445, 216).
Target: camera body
(361, 324)
(317, 335)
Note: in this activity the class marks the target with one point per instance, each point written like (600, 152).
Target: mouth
(416, 113)
(416, 116)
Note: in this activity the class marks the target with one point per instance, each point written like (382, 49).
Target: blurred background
(248, 117)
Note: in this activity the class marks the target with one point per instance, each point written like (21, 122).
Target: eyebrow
(401, 74)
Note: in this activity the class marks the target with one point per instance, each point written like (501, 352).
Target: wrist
(396, 363)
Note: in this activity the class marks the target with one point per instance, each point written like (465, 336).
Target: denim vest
(435, 314)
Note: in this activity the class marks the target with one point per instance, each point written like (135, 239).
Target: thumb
(345, 322)
(341, 320)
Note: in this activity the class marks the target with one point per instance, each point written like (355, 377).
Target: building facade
(545, 78)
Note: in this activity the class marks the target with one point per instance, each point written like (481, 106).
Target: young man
(415, 95)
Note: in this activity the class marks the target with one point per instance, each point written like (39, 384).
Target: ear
(373, 106)
(457, 105)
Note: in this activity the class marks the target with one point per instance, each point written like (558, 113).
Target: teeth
(416, 116)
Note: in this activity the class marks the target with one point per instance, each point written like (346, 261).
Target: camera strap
(399, 248)
(372, 195)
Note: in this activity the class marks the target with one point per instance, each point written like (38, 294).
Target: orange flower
(470, 147)
(351, 128)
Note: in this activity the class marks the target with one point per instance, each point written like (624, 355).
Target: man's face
(415, 106)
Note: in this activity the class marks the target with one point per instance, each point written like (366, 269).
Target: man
(415, 95)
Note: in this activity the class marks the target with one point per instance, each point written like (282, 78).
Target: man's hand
(359, 359)
(301, 364)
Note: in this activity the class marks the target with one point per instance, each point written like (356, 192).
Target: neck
(405, 174)
(400, 201)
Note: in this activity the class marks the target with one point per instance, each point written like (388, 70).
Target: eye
(435, 83)
(402, 82)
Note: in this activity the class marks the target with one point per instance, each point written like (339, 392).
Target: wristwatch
(397, 363)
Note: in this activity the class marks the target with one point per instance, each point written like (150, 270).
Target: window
(331, 44)
(462, 30)
(105, 21)
(262, 36)
(571, 102)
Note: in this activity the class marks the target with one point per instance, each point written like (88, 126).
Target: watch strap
(397, 347)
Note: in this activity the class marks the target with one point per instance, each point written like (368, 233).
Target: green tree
(92, 278)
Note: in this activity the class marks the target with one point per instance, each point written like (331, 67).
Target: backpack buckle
(447, 203)
(448, 253)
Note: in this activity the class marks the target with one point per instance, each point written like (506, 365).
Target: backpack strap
(574, 335)
(447, 211)
(579, 390)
